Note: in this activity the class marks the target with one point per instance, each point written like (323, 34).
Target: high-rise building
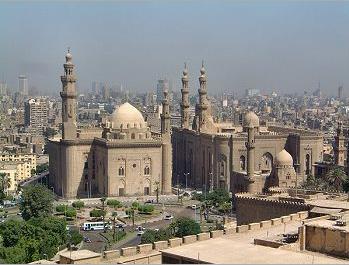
(3, 88)
(251, 92)
(23, 85)
(340, 92)
(163, 84)
(35, 115)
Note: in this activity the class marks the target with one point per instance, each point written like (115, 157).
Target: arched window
(242, 163)
(121, 171)
(266, 162)
(147, 171)
(133, 136)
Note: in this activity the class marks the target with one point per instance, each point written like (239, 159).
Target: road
(98, 242)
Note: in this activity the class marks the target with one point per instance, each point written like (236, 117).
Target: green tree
(41, 168)
(184, 226)
(76, 237)
(5, 183)
(78, 204)
(70, 212)
(151, 236)
(11, 232)
(61, 208)
(114, 203)
(218, 196)
(135, 205)
(336, 178)
(97, 213)
(37, 201)
(146, 208)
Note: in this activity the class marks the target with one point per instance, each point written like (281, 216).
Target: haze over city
(289, 46)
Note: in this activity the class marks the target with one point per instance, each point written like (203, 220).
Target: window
(121, 171)
(146, 170)
(222, 169)
(133, 136)
(134, 165)
(242, 163)
(86, 165)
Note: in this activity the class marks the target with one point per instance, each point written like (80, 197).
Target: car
(139, 228)
(120, 225)
(194, 206)
(149, 201)
(168, 217)
(87, 240)
(19, 213)
(139, 233)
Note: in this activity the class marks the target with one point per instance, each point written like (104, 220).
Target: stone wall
(327, 240)
(252, 209)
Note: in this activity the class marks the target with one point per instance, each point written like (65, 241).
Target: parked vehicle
(140, 230)
(168, 217)
(91, 226)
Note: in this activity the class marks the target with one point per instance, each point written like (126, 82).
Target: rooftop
(80, 254)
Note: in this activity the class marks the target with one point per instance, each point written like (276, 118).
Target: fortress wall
(251, 209)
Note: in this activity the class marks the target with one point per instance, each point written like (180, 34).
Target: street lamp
(186, 180)
(211, 181)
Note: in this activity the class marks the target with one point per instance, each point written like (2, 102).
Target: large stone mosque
(239, 158)
(123, 158)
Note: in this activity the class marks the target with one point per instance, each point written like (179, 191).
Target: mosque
(123, 158)
(247, 157)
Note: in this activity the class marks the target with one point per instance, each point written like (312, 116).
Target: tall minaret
(185, 99)
(203, 104)
(250, 155)
(166, 146)
(68, 96)
(339, 147)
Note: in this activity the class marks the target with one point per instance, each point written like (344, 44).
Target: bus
(91, 226)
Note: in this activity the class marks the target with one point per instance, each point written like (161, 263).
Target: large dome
(284, 159)
(127, 116)
(251, 119)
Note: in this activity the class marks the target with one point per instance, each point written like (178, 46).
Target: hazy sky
(286, 45)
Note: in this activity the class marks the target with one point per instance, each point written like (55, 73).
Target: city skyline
(287, 46)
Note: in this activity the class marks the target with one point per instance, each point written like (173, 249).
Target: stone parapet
(229, 231)
(276, 221)
(159, 245)
(203, 236)
(144, 248)
(303, 215)
(242, 228)
(175, 242)
(129, 251)
(112, 254)
(285, 219)
(265, 224)
(189, 239)
(294, 216)
(254, 226)
(216, 233)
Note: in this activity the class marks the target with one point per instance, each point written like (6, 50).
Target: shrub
(61, 208)
(71, 212)
(97, 213)
(76, 237)
(185, 226)
(78, 204)
(135, 205)
(114, 203)
(151, 236)
(146, 208)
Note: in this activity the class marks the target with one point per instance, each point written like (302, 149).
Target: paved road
(98, 242)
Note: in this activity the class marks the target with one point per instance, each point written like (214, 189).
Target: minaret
(68, 96)
(185, 99)
(166, 146)
(250, 155)
(339, 147)
(203, 104)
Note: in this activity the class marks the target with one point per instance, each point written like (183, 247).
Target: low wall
(327, 240)
(267, 243)
(252, 209)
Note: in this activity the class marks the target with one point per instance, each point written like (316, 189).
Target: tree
(218, 196)
(157, 190)
(135, 205)
(103, 199)
(146, 208)
(78, 204)
(184, 226)
(5, 183)
(114, 203)
(97, 213)
(37, 201)
(75, 237)
(151, 236)
(336, 178)
(41, 168)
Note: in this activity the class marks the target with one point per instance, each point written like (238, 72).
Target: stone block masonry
(159, 245)
(254, 226)
(203, 236)
(216, 233)
(189, 239)
(144, 248)
(175, 242)
(129, 251)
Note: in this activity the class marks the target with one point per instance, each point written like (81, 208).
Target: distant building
(23, 85)
(340, 92)
(251, 92)
(36, 115)
(162, 85)
(3, 88)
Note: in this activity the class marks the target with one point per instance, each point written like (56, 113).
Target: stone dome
(284, 159)
(127, 116)
(251, 119)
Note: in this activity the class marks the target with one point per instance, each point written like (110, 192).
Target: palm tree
(157, 191)
(336, 177)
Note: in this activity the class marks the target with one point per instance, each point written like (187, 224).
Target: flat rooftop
(329, 224)
(239, 248)
(334, 204)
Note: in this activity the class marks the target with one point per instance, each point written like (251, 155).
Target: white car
(194, 206)
(168, 217)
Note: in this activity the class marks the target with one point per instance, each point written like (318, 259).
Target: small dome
(127, 116)
(284, 159)
(202, 70)
(251, 119)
